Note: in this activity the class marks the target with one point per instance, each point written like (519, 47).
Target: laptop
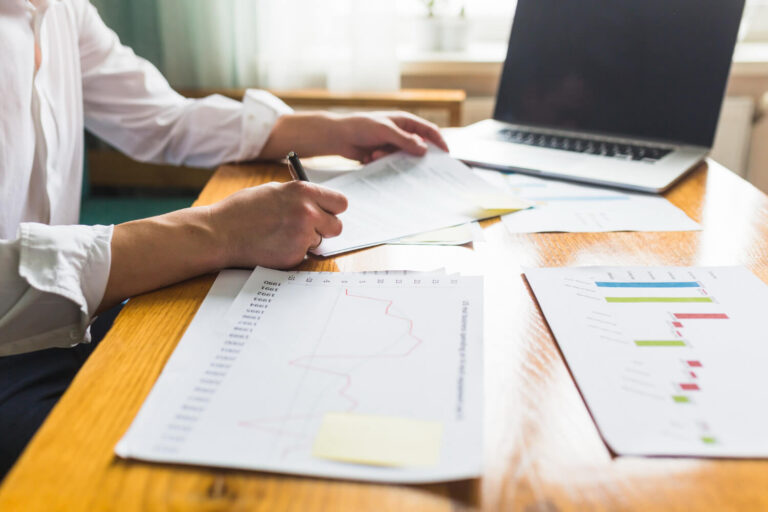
(623, 93)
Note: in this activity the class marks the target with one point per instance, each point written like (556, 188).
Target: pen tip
(292, 154)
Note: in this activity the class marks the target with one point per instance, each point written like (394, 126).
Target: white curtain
(344, 45)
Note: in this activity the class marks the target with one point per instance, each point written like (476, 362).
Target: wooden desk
(542, 450)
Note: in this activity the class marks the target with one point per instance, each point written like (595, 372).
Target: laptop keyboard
(641, 153)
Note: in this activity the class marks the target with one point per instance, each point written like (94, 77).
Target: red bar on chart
(689, 387)
(677, 324)
(701, 316)
(693, 374)
(694, 364)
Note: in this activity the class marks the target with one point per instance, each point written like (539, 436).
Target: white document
(304, 353)
(670, 360)
(566, 207)
(320, 169)
(401, 195)
(456, 235)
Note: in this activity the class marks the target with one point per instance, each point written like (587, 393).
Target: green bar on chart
(657, 299)
(659, 343)
(681, 399)
(708, 440)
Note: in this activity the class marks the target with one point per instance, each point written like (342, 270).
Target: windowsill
(478, 59)
(750, 59)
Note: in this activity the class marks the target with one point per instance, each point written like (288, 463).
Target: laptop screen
(654, 69)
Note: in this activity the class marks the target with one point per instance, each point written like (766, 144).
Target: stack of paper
(567, 207)
(320, 169)
(671, 361)
(346, 375)
(403, 195)
(456, 235)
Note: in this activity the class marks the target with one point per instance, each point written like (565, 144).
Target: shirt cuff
(70, 261)
(261, 110)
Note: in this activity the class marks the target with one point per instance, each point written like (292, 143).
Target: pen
(294, 165)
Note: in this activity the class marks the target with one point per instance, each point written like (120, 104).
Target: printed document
(559, 206)
(365, 376)
(401, 195)
(670, 360)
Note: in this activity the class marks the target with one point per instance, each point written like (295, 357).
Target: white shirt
(52, 278)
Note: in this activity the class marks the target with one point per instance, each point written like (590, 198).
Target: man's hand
(274, 225)
(367, 137)
(363, 137)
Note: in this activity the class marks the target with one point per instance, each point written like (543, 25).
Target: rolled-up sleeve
(52, 280)
(128, 103)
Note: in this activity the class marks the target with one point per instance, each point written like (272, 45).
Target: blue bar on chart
(647, 284)
(657, 299)
(576, 198)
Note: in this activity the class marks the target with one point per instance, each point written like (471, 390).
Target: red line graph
(299, 361)
(308, 362)
(701, 316)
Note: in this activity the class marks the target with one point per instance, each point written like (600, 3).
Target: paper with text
(567, 207)
(295, 346)
(670, 360)
(401, 195)
(456, 235)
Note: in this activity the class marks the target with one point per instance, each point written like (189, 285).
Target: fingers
(329, 200)
(362, 155)
(328, 226)
(382, 152)
(316, 245)
(313, 213)
(409, 142)
(421, 127)
(317, 224)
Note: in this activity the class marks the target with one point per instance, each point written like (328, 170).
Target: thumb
(409, 142)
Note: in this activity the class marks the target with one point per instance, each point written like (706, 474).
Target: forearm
(362, 137)
(307, 133)
(159, 251)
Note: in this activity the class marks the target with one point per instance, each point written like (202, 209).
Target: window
(489, 21)
(754, 26)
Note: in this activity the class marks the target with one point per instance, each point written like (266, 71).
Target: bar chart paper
(670, 360)
(297, 354)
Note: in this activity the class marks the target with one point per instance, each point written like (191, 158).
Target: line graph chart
(314, 362)
(343, 366)
(301, 345)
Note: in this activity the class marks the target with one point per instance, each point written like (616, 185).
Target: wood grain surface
(542, 450)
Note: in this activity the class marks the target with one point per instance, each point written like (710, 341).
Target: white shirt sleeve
(128, 103)
(52, 280)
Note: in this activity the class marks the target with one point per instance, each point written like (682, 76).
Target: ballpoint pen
(294, 165)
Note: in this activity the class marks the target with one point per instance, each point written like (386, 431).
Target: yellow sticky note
(378, 440)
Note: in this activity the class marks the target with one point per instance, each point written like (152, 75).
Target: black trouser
(32, 383)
